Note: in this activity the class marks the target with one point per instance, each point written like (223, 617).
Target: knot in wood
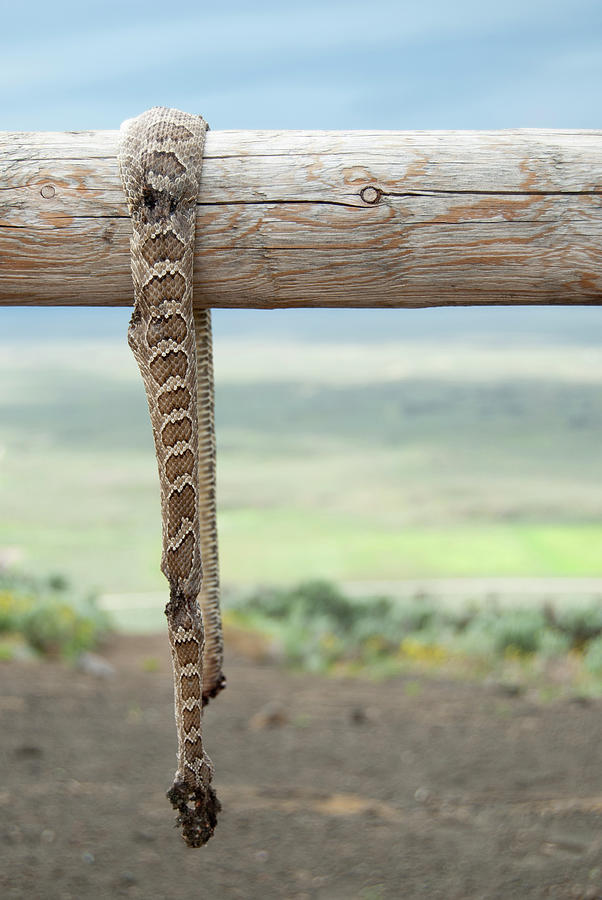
(371, 194)
(48, 191)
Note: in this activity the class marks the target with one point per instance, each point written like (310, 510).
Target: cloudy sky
(378, 64)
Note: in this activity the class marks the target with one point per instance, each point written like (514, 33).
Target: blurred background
(406, 494)
(360, 446)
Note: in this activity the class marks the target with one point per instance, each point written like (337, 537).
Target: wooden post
(320, 219)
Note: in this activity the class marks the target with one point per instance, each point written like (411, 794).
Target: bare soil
(330, 789)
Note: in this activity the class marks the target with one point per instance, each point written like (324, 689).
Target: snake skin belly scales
(160, 158)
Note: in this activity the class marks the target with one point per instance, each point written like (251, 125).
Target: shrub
(320, 628)
(592, 659)
(553, 643)
(518, 630)
(476, 640)
(51, 618)
(579, 624)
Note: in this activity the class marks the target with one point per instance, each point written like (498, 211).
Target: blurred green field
(345, 461)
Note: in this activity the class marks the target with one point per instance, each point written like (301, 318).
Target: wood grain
(296, 218)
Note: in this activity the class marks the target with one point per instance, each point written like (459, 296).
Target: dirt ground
(333, 790)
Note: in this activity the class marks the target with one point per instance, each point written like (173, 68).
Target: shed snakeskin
(160, 158)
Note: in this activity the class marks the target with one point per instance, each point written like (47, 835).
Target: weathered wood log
(320, 219)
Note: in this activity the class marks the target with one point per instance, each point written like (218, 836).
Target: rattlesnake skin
(160, 158)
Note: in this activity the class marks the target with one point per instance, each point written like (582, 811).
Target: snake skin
(160, 159)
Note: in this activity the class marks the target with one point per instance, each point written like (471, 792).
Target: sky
(433, 64)
(316, 65)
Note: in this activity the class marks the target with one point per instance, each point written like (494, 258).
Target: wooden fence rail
(291, 218)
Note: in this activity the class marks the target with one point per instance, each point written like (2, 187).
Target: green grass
(471, 471)
(283, 545)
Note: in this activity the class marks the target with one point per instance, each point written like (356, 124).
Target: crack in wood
(441, 192)
(273, 202)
